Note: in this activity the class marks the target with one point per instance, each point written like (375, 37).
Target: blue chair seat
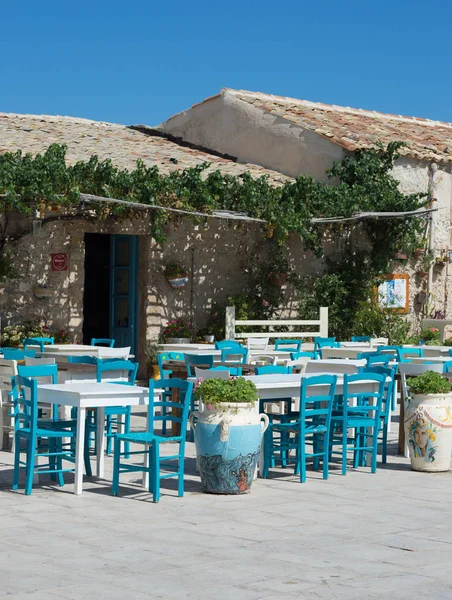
(356, 421)
(57, 424)
(295, 427)
(46, 433)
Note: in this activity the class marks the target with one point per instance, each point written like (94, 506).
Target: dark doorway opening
(96, 299)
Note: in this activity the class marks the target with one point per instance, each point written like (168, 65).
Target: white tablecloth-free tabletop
(92, 395)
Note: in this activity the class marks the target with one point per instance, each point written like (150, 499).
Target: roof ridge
(336, 108)
(4, 115)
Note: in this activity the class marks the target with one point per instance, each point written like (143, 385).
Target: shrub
(429, 383)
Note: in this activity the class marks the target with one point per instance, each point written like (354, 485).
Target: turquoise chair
(360, 338)
(405, 355)
(226, 344)
(327, 342)
(198, 360)
(237, 355)
(39, 441)
(109, 342)
(294, 345)
(38, 341)
(295, 355)
(365, 355)
(18, 354)
(234, 371)
(379, 360)
(359, 418)
(36, 372)
(447, 366)
(392, 350)
(163, 357)
(83, 360)
(386, 407)
(311, 427)
(152, 440)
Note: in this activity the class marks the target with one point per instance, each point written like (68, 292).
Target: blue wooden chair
(365, 415)
(386, 406)
(379, 360)
(236, 355)
(109, 342)
(18, 354)
(38, 341)
(234, 371)
(163, 357)
(447, 366)
(311, 427)
(39, 442)
(365, 355)
(294, 345)
(50, 375)
(83, 360)
(152, 440)
(360, 338)
(295, 355)
(198, 360)
(405, 355)
(113, 413)
(325, 342)
(391, 350)
(226, 344)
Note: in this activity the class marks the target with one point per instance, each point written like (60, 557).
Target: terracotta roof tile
(121, 144)
(354, 128)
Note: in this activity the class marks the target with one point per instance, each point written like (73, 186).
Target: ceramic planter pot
(209, 339)
(228, 440)
(178, 282)
(428, 431)
(178, 341)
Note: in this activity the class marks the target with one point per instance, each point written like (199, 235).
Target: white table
(334, 365)
(92, 395)
(349, 352)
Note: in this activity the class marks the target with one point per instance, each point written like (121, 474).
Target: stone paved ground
(362, 536)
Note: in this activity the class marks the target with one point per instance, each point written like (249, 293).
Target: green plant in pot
(176, 275)
(177, 331)
(152, 350)
(428, 422)
(228, 434)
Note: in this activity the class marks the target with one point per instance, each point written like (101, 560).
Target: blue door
(123, 288)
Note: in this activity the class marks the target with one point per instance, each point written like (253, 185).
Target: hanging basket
(178, 282)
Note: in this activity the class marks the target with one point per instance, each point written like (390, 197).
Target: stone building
(297, 136)
(236, 132)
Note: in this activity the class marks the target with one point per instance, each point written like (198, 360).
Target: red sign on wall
(59, 262)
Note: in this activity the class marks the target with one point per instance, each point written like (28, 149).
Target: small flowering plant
(13, 335)
(175, 271)
(177, 328)
(63, 336)
(235, 390)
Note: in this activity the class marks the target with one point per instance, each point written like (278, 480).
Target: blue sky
(142, 61)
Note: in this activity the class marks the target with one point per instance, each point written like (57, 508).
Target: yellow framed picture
(394, 292)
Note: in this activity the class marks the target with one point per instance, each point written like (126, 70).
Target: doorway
(111, 283)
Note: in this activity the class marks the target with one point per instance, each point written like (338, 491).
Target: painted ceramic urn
(428, 431)
(228, 440)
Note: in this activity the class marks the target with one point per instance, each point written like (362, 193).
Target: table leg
(401, 445)
(79, 450)
(100, 442)
(145, 478)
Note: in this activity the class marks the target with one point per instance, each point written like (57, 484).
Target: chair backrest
(233, 371)
(316, 407)
(270, 360)
(406, 354)
(109, 342)
(360, 338)
(30, 362)
(171, 410)
(272, 370)
(211, 373)
(257, 343)
(389, 375)
(38, 341)
(224, 344)
(367, 354)
(447, 366)
(299, 364)
(163, 357)
(381, 360)
(108, 366)
(369, 401)
(205, 360)
(18, 354)
(41, 373)
(24, 393)
(294, 345)
(114, 352)
(295, 355)
(83, 360)
(325, 342)
(392, 350)
(238, 355)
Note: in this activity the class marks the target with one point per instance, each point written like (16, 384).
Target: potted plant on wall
(177, 332)
(176, 275)
(428, 422)
(228, 434)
